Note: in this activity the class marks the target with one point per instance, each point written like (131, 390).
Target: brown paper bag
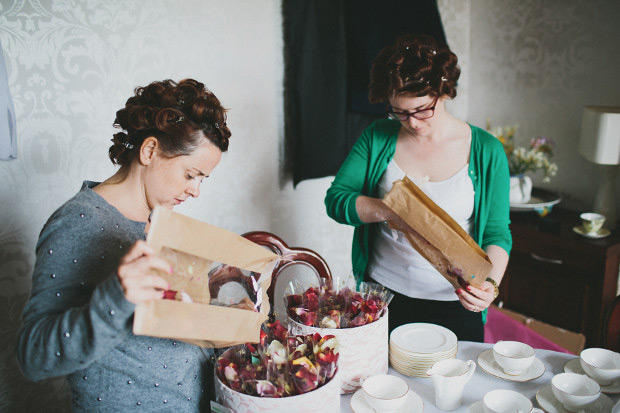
(438, 237)
(197, 252)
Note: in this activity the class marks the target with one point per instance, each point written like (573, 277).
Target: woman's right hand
(396, 222)
(136, 275)
(372, 210)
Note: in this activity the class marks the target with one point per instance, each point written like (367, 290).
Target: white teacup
(592, 222)
(575, 391)
(513, 357)
(506, 401)
(384, 392)
(601, 364)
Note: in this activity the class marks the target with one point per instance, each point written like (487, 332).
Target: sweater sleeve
(350, 182)
(77, 311)
(497, 231)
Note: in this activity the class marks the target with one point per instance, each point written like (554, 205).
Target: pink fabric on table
(499, 326)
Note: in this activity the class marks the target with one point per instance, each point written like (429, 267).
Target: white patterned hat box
(325, 399)
(364, 350)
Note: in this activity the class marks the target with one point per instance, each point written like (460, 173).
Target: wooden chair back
(292, 256)
(611, 326)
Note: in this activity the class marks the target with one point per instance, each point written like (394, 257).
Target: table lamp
(600, 144)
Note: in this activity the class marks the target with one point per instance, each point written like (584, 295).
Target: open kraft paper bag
(197, 250)
(438, 237)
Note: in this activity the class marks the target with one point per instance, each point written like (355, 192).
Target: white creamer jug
(449, 378)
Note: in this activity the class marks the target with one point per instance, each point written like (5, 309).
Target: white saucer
(476, 407)
(488, 364)
(574, 366)
(602, 233)
(414, 403)
(549, 403)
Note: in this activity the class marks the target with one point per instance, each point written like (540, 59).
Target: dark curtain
(329, 48)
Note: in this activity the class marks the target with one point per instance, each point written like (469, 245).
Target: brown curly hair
(416, 65)
(179, 115)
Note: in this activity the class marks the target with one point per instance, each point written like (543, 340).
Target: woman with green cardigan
(460, 167)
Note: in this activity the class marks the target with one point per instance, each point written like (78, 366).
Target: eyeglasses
(418, 114)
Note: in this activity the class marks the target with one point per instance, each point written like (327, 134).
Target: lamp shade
(600, 135)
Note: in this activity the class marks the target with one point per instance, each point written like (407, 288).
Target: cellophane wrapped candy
(281, 364)
(336, 307)
(356, 317)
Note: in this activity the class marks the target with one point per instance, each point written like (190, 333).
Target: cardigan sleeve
(77, 310)
(497, 231)
(350, 182)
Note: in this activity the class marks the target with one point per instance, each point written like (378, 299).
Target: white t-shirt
(394, 262)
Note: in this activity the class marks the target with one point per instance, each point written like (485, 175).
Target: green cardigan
(368, 159)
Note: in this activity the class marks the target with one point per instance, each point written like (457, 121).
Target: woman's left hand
(476, 299)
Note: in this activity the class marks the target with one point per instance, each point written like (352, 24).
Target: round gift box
(364, 350)
(324, 399)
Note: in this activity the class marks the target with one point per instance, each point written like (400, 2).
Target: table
(482, 382)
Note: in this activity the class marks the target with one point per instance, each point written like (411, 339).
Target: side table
(559, 277)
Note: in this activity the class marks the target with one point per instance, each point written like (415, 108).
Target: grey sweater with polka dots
(79, 324)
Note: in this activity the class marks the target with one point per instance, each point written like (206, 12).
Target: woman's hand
(137, 276)
(372, 210)
(477, 299)
(397, 223)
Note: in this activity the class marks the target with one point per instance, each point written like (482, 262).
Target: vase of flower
(525, 159)
(520, 189)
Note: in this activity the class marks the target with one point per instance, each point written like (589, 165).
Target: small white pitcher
(449, 378)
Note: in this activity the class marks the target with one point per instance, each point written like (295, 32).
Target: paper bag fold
(438, 237)
(195, 246)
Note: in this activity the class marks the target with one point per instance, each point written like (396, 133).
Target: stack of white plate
(414, 348)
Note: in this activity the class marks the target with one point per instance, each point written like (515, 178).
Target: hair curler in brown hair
(179, 115)
(415, 65)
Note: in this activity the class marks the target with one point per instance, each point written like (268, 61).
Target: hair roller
(415, 65)
(167, 118)
(179, 115)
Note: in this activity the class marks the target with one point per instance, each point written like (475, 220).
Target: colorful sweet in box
(280, 365)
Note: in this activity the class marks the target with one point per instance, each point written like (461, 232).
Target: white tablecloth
(482, 382)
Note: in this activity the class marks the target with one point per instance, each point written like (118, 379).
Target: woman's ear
(148, 149)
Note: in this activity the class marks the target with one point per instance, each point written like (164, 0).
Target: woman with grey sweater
(93, 264)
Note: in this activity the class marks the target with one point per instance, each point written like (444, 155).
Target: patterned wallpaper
(456, 24)
(72, 64)
(537, 64)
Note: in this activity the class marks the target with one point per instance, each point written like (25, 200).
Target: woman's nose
(194, 188)
(413, 122)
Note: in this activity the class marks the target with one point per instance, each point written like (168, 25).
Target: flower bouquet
(536, 156)
(358, 319)
(521, 160)
(281, 372)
